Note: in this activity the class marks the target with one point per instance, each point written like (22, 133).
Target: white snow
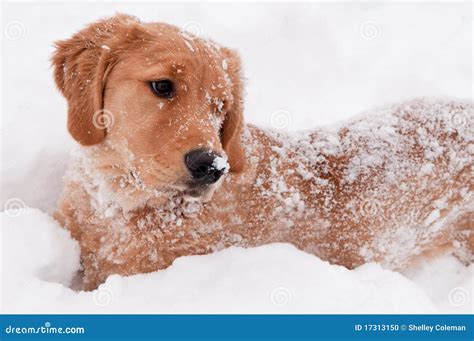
(220, 163)
(347, 58)
(40, 260)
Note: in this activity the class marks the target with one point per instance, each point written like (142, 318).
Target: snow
(220, 163)
(41, 260)
(347, 58)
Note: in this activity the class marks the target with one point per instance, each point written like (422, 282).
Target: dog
(166, 166)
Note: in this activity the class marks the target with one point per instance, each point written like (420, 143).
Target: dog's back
(384, 187)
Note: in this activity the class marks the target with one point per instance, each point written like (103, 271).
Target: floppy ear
(234, 121)
(81, 65)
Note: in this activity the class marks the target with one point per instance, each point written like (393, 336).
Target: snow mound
(447, 282)
(36, 253)
(40, 261)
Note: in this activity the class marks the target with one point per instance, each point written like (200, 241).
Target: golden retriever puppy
(167, 167)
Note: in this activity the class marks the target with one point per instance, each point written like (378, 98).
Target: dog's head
(169, 101)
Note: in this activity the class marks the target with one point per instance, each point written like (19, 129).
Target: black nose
(204, 166)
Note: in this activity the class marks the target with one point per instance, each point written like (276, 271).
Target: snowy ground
(306, 65)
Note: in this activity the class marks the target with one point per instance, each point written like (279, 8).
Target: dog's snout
(205, 166)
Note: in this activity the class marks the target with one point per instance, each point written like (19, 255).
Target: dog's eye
(163, 88)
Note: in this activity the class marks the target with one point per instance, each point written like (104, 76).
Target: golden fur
(385, 187)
